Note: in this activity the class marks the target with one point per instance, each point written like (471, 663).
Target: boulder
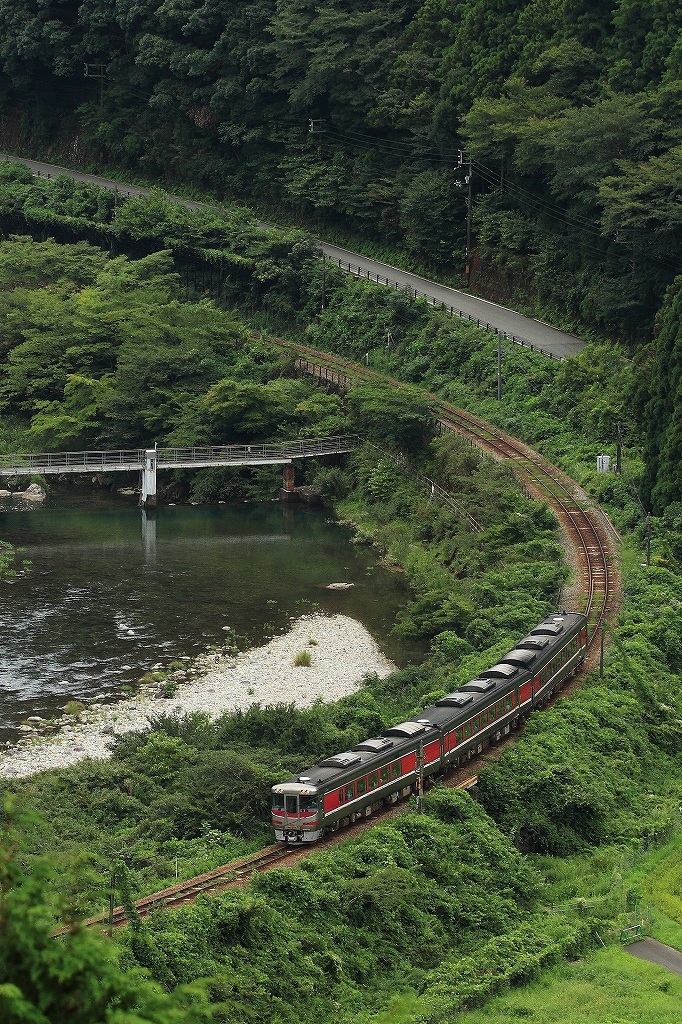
(34, 492)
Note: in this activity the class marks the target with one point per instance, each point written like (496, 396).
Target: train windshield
(293, 804)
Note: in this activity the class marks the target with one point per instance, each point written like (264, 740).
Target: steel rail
(591, 540)
(234, 873)
(184, 892)
(560, 492)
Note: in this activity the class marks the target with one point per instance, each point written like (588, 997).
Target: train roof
(499, 680)
(372, 752)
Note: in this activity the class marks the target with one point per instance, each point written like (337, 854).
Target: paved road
(657, 953)
(533, 333)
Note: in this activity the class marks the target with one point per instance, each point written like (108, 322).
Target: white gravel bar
(341, 651)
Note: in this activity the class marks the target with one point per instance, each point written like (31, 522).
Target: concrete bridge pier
(148, 495)
(288, 490)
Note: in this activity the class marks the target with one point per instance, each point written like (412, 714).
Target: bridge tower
(148, 494)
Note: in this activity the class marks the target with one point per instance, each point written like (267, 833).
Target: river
(112, 591)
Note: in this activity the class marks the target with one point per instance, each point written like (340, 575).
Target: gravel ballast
(341, 652)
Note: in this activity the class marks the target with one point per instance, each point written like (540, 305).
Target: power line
(543, 207)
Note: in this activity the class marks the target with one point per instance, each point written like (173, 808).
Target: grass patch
(74, 707)
(303, 658)
(659, 879)
(609, 986)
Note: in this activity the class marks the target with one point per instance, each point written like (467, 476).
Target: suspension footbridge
(149, 461)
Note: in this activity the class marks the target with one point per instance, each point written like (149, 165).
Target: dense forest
(127, 322)
(352, 115)
(373, 122)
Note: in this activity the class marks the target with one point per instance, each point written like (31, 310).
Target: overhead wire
(517, 193)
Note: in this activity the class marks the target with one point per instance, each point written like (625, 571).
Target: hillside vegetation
(363, 122)
(442, 910)
(127, 322)
(572, 114)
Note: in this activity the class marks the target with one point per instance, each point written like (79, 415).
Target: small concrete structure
(148, 494)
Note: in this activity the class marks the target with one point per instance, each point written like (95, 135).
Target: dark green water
(112, 592)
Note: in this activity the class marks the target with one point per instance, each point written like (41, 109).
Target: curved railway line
(588, 529)
(589, 532)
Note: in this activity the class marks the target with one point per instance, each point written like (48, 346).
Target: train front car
(296, 812)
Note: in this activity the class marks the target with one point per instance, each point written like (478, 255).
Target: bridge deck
(270, 454)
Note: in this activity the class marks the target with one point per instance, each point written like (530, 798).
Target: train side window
(397, 769)
(458, 735)
(373, 780)
(350, 792)
(467, 729)
(500, 707)
(362, 786)
(476, 724)
(509, 702)
(308, 803)
(385, 774)
(492, 713)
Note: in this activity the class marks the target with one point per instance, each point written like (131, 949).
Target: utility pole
(112, 902)
(420, 778)
(499, 366)
(648, 539)
(468, 181)
(619, 447)
(324, 281)
(96, 71)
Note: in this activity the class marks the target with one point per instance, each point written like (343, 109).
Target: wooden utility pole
(420, 778)
(468, 181)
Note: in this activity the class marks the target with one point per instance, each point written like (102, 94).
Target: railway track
(185, 892)
(238, 872)
(588, 529)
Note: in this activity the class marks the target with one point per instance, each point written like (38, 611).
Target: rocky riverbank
(339, 648)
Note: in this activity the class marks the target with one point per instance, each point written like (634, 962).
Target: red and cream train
(352, 784)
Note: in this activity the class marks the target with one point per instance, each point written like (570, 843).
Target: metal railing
(102, 461)
(367, 275)
(55, 462)
(298, 449)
